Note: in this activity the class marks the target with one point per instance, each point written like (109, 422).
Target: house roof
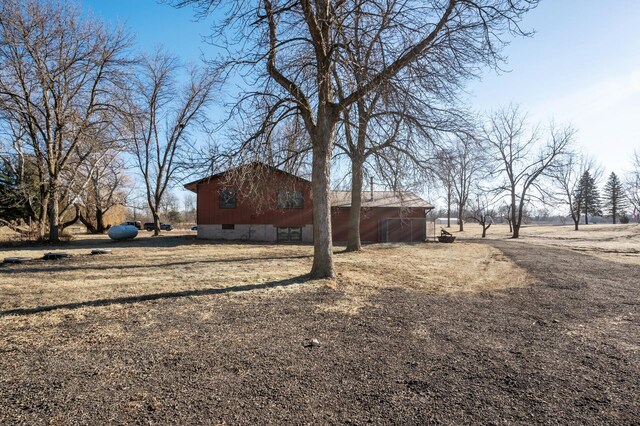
(403, 199)
(380, 199)
(192, 186)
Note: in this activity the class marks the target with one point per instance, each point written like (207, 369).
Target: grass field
(173, 330)
(175, 263)
(620, 243)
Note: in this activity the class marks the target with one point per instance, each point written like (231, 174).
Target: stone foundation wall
(268, 233)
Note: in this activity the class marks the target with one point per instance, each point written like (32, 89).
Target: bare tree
(633, 185)
(106, 187)
(189, 209)
(566, 177)
(59, 71)
(481, 210)
(521, 156)
(505, 212)
(296, 43)
(443, 172)
(158, 116)
(169, 202)
(378, 140)
(468, 164)
(391, 130)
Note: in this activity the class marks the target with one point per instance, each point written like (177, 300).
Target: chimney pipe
(371, 186)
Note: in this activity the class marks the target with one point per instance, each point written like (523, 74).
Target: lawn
(619, 243)
(149, 267)
(172, 330)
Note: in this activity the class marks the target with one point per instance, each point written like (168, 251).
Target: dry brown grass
(155, 266)
(148, 266)
(619, 243)
(435, 268)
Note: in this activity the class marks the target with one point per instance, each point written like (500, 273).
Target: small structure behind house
(443, 221)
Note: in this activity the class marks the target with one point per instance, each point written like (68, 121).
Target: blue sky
(581, 67)
(156, 24)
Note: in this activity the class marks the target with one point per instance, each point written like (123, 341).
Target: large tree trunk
(156, 222)
(65, 225)
(484, 229)
(43, 215)
(87, 223)
(154, 206)
(98, 200)
(575, 215)
(54, 212)
(460, 222)
(354, 243)
(517, 218)
(516, 231)
(321, 187)
(514, 216)
(449, 207)
(99, 221)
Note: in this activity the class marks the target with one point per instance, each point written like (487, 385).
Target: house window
(228, 198)
(290, 200)
(228, 226)
(289, 234)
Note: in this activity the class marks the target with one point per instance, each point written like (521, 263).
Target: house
(272, 205)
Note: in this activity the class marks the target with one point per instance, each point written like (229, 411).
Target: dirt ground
(188, 343)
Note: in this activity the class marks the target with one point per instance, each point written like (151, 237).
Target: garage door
(398, 230)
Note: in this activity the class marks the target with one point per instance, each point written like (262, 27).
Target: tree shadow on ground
(164, 240)
(58, 267)
(301, 279)
(88, 240)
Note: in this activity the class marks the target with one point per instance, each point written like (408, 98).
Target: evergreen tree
(615, 200)
(18, 189)
(12, 205)
(587, 197)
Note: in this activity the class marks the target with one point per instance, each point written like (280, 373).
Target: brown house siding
(400, 225)
(246, 211)
(254, 217)
(260, 218)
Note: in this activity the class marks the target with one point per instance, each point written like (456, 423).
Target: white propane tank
(123, 232)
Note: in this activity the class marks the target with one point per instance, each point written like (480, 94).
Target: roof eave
(193, 186)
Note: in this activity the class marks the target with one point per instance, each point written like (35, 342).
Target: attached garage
(386, 216)
(397, 229)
